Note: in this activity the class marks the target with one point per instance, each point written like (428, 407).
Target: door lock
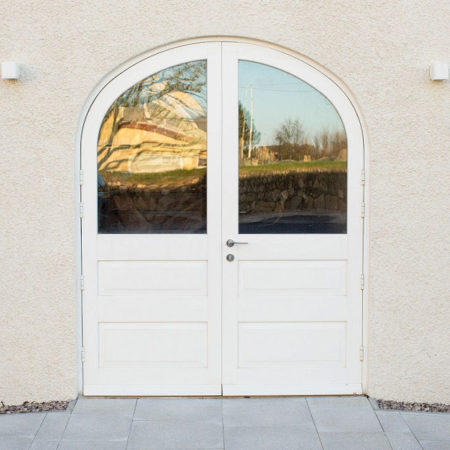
(230, 257)
(231, 243)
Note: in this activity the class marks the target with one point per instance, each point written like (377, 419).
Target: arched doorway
(222, 230)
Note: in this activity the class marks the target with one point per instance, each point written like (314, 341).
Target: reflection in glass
(151, 155)
(292, 155)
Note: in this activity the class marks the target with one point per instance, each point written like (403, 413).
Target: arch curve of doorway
(110, 88)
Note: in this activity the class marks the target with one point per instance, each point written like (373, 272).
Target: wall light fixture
(10, 70)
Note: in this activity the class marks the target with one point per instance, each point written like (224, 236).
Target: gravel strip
(62, 405)
(406, 406)
(33, 407)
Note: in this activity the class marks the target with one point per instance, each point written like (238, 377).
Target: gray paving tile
(403, 441)
(85, 427)
(435, 445)
(429, 426)
(267, 412)
(71, 405)
(44, 445)
(185, 410)
(170, 435)
(23, 425)
(270, 438)
(15, 443)
(339, 402)
(117, 406)
(92, 445)
(349, 420)
(354, 441)
(392, 421)
(52, 427)
(374, 403)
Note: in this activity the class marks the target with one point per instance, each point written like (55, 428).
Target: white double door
(185, 314)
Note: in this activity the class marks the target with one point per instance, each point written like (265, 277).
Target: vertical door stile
(230, 211)
(214, 212)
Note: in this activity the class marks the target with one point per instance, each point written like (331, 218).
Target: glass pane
(292, 155)
(151, 155)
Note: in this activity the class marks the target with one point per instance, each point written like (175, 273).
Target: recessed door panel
(292, 344)
(281, 278)
(153, 344)
(166, 278)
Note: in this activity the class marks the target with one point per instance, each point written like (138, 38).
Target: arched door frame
(139, 58)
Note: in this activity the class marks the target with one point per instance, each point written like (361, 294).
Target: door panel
(163, 344)
(292, 344)
(292, 304)
(286, 278)
(168, 278)
(151, 304)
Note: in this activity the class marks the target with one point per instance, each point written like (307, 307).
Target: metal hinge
(363, 177)
(82, 283)
(81, 177)
(83, 355)
(363, 210)
(81, 210)
(361, 282)
(361, 353)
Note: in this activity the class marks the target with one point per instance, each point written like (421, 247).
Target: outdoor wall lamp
(439, 71)
(10, 70)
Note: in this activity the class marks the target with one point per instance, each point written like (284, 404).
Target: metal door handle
(231, 243)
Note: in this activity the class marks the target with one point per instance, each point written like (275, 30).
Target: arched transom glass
(292, 155)
(151, 155)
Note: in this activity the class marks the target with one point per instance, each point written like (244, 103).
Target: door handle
(231, 243)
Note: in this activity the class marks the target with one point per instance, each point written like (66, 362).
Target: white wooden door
(292, 304)
(183, 152)
(152, 285)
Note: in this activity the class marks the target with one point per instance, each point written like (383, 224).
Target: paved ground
(254, 424)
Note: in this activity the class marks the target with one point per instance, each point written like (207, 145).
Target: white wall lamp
(10, 70)
(439, 71)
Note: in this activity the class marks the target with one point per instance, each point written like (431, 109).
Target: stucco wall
(379, 49)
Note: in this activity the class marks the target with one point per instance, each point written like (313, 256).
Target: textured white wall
(379, 49)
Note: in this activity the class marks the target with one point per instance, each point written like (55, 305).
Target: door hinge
(363, 177)
(363, 209)
(83, 355)
(82, 283)
(81, 210)
(81, 177)
(361, 353)
(361, 281)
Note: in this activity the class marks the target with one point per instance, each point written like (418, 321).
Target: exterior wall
(380, 49)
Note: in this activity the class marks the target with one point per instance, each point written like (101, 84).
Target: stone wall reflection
(293, 202)
(164, 208)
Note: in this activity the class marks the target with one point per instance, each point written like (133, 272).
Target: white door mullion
(230, 215)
